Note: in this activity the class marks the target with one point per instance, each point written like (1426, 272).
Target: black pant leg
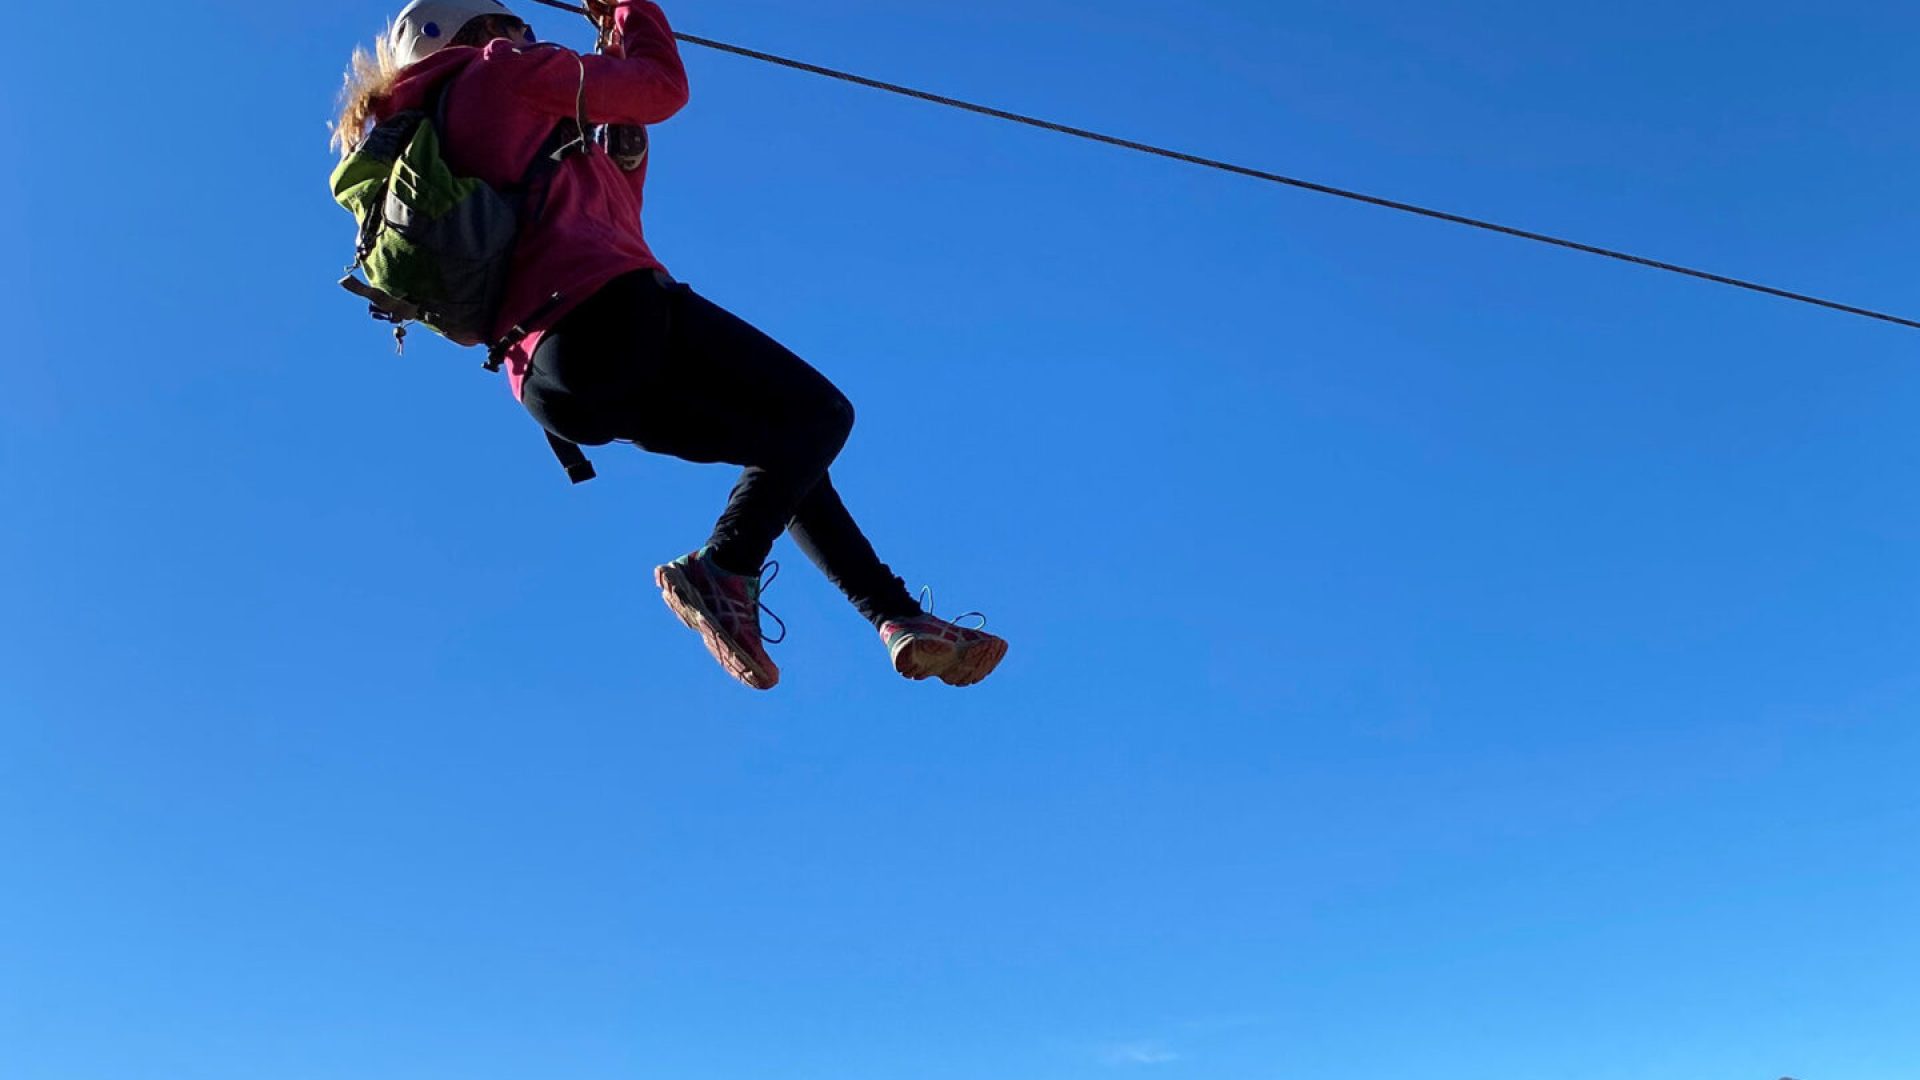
(788, 422)
(827, 534)
(663, 367)
(587, 379)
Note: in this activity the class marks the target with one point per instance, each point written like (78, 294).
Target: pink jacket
(503, 102)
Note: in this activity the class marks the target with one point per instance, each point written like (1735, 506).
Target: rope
(1277, 178)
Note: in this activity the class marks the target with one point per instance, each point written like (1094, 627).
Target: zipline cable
(1274, 178)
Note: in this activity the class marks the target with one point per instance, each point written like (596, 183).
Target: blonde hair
(370, 79)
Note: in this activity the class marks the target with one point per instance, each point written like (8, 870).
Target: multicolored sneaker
(724, 609)
(926, 646)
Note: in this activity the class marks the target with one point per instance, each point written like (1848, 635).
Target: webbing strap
(572, 459)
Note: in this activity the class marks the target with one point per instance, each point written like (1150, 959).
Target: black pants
(649, 361)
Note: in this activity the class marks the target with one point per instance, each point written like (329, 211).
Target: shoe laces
(754, 586)
(926, 605)
(768, 575)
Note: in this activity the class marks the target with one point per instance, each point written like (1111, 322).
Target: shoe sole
(922, 658)
(956, 665)
(976, 662)
(684, 601)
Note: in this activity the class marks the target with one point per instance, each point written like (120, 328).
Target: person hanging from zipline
(459, 112)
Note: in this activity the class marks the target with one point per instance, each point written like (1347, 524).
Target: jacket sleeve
(638, 80)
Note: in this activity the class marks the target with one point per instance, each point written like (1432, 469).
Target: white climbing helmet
(424, 27)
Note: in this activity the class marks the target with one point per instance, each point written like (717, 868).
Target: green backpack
(435, 248)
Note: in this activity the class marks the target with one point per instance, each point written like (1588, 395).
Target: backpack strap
(567, 138)
(572, 459)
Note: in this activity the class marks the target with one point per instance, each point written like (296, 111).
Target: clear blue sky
(1433, 655)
